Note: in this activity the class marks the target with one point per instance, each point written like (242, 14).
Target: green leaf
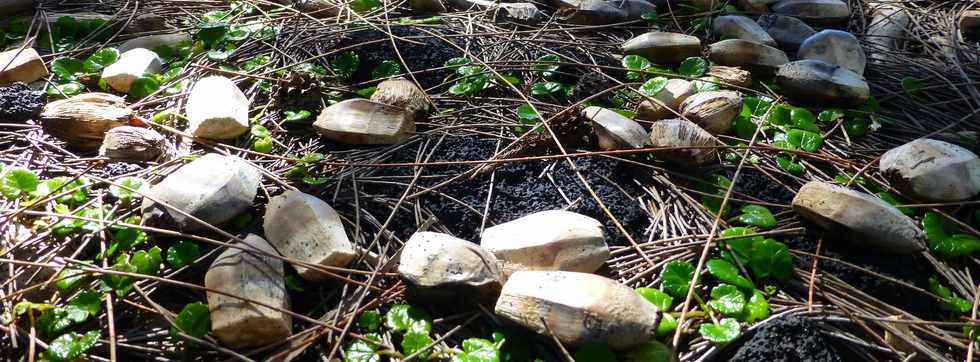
(144, 86)
(693, 67)
(895, 200)
(369, 321)
(457, 62)
(263, 145)
(222, 53)
(387, 68)
(728, 273)
(404, 317)
(727, 299)
(725, 331)
(806, 140)
(667, 325)
(717, 189)
(415, 340)
(789, 164)
(545, 88)
(125, 239)
(830, 115)
(69, 278)
(18, 182)
(653, 86)
(477, 350)
(595, 352)
(256, 62)
(952, 303)
(757, 308)
(912, 85)
(803, 119)
(780, 115)
(134, 183)
(294, 283)
(363, 6)
(946, 238)
(757, 105)
(361, 351)
(346, 64)
(652, 351)
(101, 59)
(547, 65)
(214, 16)
(121, 284)
(237, 34)
(635, 63)
(211, 34)
(856, 127)
(675, 279)
(297, 116)
(771, 258)
(662, 300)
(147, 261)
(67, 68)
(706, 86)
(757, 215)
(71, 345)
(86, 304)
(259, 131)
(194, 320)
(65, 89)
(651, 17)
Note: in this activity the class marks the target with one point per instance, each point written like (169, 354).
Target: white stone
(439, 263)
(131, 65)
(548, 240)
(688, 139)
(614, 130)
(816, 82)
(835, 47)
(714, 111)
(24, 65)
(305, 228)
(814, 11)
(747, 54)
(886, 32)
(740, 27)
(217, 109)
(787, 31)
(932, 170)
(671, 97)
(153, 41)
(363, 122)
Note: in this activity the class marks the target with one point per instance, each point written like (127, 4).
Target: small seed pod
(614, 131)
(400, 92)
(734, 76)
(129, 143)
(83, 120)
(714, 111)
(682, 133)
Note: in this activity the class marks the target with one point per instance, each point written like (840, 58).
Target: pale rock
(131, 65)
(239, 323)
(579, 308)
(747, 54)
(733, 76)
(932, 170)
(517, 12)
(401, 92)
(740, 27)
(548, 240)
(153, 41)
(213, 188)
(835, 47)
(615, 131)
(671, 97)
(859, 217)
(217, 109)
(663, 47)
(441, 264)
(21, 65)
(817, 82)
(83, 120)
(886, 32)
(363, 122)
(128, 143)
(814, 11)
(714, 110)
(600, 12)
(787, 31)
(694, 145)
(307, 229)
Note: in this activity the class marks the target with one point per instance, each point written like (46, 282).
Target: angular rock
(671, 97)
(133, 144)
(817, 82)
(734, 76)
(363, 122)
(886, 32)
(213, 188)
(787, 31)
(970, 25)
(683, 133)
(747, 54)
(13, 7)
(131, 65)
(305, 228)
(600, 12)
(238, 323)
(740, 27)
(932, 170)
(663, 47)
(578, 308)
(835, 47)
(442, 264)
(615, 131)
(83, 120)
(401, 92)
(714, 111)
(814, 11)
(217, 109)
(153, 41)
(548, 240)
(862, 218)
(21, 65)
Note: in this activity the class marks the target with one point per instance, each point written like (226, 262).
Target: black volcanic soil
(787, 339)
(18, 103)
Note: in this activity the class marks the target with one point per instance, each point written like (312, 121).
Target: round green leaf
(595, 352)
(18, 181)
(675, 279)
(728, 273)
(121, 193)
(771, 258)
(71, 345)
(369, 321)
(727, 299)
(361, 351)
(65, 90)
(414, 341)
(194, 320)
(263, 145)
(662, 300)
(757, 215)
(346, 64)
(757, 308)
(725, 331)
(652, 351)
(144, 86)
(386, 69)
(182, 253)
(404, 317)
(830, 115)
(653, 86)
(856, 127)
(297, 116)
(101, 59)
(693, 67)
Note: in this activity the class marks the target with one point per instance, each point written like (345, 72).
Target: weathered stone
(305, 228)
(714, 111)
(600, 12)
(238, 322)
(401, 92)
(755, 6)
(663, 47)
(13, 7)
(442, 264)
(733, 76)
(860, 217)
(153, 41)
(970, 24)
(578, 308)
(835, 47)
(21, 65)
(814, 11)
(932, 170)
(217, 109)
(363, 122)
(213, 188)
(671, 97)
(548, 240)
(740, 27)
(131, 65)
(747, 54)
(129, 143)
(886, 32)
(817, 82)
(83, 120)
(681, 134)
(615, 131)
(787, 31)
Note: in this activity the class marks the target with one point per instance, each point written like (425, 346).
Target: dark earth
(786, 339)
(18, 103)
